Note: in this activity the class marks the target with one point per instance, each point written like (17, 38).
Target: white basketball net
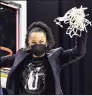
(75, 17)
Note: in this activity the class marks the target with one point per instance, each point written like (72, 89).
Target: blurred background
(7, 28)
(12, 29)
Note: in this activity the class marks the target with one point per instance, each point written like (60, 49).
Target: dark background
(76, 78)
(7, 29)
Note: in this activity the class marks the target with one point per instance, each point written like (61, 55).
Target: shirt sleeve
(74, 54)
(7, 61)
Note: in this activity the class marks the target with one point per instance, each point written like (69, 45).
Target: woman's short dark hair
(39, 26)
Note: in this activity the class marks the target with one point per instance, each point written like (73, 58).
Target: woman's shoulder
(56, 49)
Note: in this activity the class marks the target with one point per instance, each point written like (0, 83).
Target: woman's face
(37, 38)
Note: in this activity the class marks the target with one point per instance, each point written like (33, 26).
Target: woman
(35, 69)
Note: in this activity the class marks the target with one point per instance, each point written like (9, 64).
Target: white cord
(75, 17)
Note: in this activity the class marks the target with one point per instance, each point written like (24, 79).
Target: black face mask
(38, 49)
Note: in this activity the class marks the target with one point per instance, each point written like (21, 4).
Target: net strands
(75, 17)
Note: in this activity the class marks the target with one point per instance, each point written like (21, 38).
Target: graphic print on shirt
(35, 79)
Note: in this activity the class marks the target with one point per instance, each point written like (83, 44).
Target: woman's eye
(41, 42)
(33, 43)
